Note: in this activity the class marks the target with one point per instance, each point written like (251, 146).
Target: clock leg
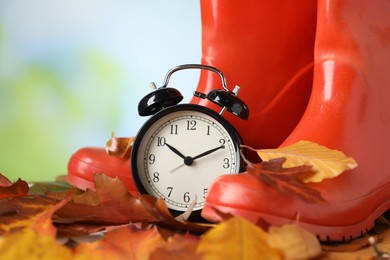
(349, 110)
(265, 47)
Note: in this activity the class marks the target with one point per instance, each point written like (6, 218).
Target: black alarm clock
(183, 148)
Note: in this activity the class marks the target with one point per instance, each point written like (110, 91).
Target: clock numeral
(191, 125)
(186, 197)
(152, 158)
(208, 130)
(226, 163)
(173, 129)
(156, 177)
(161, 141)
(205, 191)
(222, 142)
(170, 189)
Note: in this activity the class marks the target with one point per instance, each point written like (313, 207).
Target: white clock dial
(182, 153)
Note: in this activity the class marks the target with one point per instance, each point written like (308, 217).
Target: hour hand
(173, 149)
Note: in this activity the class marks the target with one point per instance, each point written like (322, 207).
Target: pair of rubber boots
(316, 71)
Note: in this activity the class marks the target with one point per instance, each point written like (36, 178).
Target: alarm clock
(183, 148)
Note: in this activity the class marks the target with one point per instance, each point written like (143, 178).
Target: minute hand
(208, 152)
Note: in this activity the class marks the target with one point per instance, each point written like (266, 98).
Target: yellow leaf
(294, 241)
(236, 238)
(327, 163)
(28, 244)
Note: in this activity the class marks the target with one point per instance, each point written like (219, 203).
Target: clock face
(181, 151)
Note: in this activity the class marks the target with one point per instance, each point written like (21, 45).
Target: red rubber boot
(87, 161)
(266, 48)
(349, 110)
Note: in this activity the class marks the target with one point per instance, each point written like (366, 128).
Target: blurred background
(71, 72)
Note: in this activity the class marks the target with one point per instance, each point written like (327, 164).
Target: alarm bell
(163, 97)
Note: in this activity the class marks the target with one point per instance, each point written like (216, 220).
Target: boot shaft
(267, 48)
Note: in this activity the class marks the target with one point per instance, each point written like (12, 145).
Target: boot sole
(324, 232)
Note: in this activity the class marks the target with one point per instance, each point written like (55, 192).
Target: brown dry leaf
(294, 241)
(119, 146)
(8, 190)
(111, 203)
(27, 211)
(123, 243)
(236, 238)
(28, 244)
(327, 163)
(178, 247)
(286, 180)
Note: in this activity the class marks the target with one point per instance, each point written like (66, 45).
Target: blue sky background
(73, 71)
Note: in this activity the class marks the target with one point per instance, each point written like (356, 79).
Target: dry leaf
(326, 163)
(294, 241)
(28, 244)
(286, 180)
(22, 212)
(178, 248)
(119, 147)
(8, 190)
(123, 243)
(236, 238)
(111, 203)
(4, 182)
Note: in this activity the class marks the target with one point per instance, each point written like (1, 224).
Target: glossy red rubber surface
(87, 161)
(348, 110)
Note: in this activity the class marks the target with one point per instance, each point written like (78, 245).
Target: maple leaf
(294, 241)
(326, 163)
(178, 247)
(119, 147)
(28, 244)
(236, 238)
(111, 203)
(23, 212)
(286, 180)
(8, 190)
(123, 243)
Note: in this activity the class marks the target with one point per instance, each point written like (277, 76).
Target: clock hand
(208, 152)
(173, 149)
(188, 160)
(176, 168)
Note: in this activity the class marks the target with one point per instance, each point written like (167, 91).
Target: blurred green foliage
(48, 110)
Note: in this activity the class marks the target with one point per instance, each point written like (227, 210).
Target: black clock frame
(236, 138)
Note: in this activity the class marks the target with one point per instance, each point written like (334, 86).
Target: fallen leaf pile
(61, 222)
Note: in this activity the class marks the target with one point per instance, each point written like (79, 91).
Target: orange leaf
(178, 248)
(22, 212)
(119, 147)
(123, 243)
(110, 203)
(8, 190)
